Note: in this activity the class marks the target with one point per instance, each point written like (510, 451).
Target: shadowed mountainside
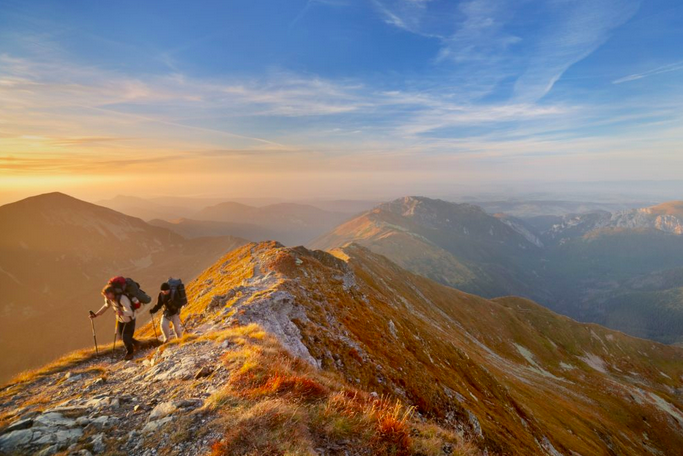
(581, 265)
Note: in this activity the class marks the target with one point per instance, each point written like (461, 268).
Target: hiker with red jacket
(172, 298)
(125, 317)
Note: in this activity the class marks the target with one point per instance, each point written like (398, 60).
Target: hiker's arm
(160, 302)
(102, 310)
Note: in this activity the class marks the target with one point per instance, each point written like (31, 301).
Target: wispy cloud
(491, 41)
(677, 66)
(577, 30)
(311, 3)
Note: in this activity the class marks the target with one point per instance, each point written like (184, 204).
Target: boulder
(205, 371)
(98, 444)
(68, 436)
(54, 419)
(70, 377)
(153, 426)
(11, 441)
(162, 410)
(104, 421)
(19, 425)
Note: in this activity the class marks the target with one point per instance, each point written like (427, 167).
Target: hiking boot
(128, 357)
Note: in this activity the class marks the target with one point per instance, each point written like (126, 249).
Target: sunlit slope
(57, 252)
(517, 377)
(455, 244)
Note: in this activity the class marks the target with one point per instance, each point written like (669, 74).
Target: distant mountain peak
(674, 208)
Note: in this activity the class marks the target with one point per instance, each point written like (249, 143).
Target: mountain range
(290, 223)
(295, 351)
(588, 266)
(546, 207)
(56, 254)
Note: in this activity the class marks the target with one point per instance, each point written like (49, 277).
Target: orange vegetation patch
(275, 404)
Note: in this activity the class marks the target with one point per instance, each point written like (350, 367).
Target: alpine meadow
(341, 228)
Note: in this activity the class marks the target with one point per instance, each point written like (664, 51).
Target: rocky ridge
(506, 375)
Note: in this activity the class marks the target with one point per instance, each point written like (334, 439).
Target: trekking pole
(92, 323)
(116, 334)
(154, 325)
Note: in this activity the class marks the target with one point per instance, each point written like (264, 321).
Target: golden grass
(62, 364)
(275, 404)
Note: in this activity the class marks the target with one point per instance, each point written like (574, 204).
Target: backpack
(129, 287)
(178, 295)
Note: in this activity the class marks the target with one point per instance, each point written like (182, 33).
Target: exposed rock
(12, 441)
(104, 421)
(54, 419)
(68, 409)
(392, 329)
(70, 377)
(190, 403)
(49, 451)
(153, 426)
(98, 402)
(18, 425)
(203, 372)
(162, 410)
(82, 421)
(97, 442)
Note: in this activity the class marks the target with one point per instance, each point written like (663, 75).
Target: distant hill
(345, 206)
(199, 228)
(667, 218)
(292, 224)
(533, 208)
(57, 252)
(144, 208)
(459, 245)
(578, 264)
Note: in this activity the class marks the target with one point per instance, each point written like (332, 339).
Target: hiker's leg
(177, 326)
(166, 328)
(127, 336)
(136, 343)
(119, 329)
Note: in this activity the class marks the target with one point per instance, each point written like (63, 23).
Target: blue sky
(338, 97)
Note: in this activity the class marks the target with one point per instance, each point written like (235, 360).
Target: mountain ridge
(574, 264)
(507, 375)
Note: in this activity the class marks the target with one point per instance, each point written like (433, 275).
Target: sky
(336, 98)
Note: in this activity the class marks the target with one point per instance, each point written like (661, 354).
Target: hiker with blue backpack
(172, 298)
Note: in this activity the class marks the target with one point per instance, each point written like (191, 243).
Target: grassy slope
(273, 404)
(583, 277)
(528, 375)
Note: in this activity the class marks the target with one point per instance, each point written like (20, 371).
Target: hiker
(125, 318)
(172, 303)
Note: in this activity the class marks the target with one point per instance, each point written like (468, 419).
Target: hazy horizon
(644, 192)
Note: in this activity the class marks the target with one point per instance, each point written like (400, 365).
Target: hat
(165, 286)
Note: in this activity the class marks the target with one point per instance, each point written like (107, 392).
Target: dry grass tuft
(275, 404)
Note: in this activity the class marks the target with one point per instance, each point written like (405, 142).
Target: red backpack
(131, 289)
